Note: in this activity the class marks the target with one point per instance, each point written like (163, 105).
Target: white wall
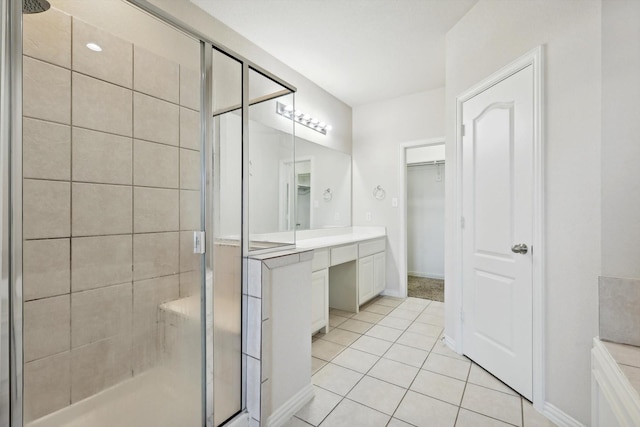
(310, 98)
(425, 220)
(492, 34)
(379, 130)
(620, 140)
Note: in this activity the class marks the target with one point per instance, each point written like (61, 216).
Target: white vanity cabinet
(371, 269)
(320, 291)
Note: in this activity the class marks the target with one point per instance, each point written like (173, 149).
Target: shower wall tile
(190, 88)
(47, 386)
(46, 210)
(113, 64)
(144, 353)
(188, 260)
(113, 113)
(155, 165)
(100, 313)
(45, 269)
(156, 210)
(155, 254)
(190, 283)
(99, 365)
(101, 157)
(101, 261)
(189, 129)
(190, 169)
(46, 150)
(147, 297)
(46, 91)
(47, 36)
(101, 209)
(189, 210)
(46, 327)
(155, 120)
(155, 75)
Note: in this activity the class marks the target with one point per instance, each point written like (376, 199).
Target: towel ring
(327, 196)
(379, 193)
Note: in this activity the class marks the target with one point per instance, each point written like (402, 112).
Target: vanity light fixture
(94, 47)
(302, 118)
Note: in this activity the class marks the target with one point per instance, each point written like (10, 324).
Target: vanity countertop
(345, 236)
(628, 359)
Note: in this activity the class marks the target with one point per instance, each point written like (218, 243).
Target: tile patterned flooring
(387, 366)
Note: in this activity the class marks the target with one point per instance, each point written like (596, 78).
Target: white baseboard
(280, 416)
(558, 416)
(449, 343)
(426, 275)
(241, 420)
(389, 293)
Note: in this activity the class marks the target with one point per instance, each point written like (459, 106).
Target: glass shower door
(111, 188)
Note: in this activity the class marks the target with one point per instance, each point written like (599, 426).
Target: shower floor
(151, 399)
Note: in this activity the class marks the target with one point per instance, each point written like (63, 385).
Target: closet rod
(434, 162)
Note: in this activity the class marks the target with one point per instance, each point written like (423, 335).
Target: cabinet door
(319, 299)
(379, 272)
(365, 279)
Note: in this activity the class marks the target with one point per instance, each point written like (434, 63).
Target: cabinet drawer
(344, 254)
(370, 248)
(320, 259)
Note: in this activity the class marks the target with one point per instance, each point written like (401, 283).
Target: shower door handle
(198, 242)
(520, 248)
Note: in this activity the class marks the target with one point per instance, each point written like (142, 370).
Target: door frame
(403, 205)
(535, 59)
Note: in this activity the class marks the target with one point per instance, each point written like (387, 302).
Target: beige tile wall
(111, 197)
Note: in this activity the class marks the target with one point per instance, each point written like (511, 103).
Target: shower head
(35, 6)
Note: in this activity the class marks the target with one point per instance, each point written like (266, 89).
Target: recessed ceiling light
(94, 47)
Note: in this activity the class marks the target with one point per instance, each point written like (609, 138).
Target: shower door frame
(11, 303)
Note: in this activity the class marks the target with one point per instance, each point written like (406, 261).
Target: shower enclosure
(123, 135)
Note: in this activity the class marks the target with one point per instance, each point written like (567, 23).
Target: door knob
(520, 248)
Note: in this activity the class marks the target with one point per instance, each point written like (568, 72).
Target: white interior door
(497, 206)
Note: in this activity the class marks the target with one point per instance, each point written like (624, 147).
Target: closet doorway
(425, 196)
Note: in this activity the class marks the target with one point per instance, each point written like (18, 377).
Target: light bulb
(329, 127)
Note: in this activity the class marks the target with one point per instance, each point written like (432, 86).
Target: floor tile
(368, 316)
(379, 309)
(417, 341)
(335, 320)
(352, 414)
(448, 366)
(479, 376)
(322, 403)
(493, 403)
(432, 319)
(390, 301)
(296, 422)
(356, 326)
(316, 364)
(441, 348)
(395, 322)
(467, 418)
(404, 314)
(371, 345)
(336, 379)
(325, 350)
(393, 372)
(356, 360)
(424, 411)
(341, 336)
(533, 418)
(384, 333)
(414, 305)
(405, 354)
(439, 386)
(341, 313)
(377, 394)
(398, 423)
(425, 329)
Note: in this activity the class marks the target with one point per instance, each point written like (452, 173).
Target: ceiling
(361, 51)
